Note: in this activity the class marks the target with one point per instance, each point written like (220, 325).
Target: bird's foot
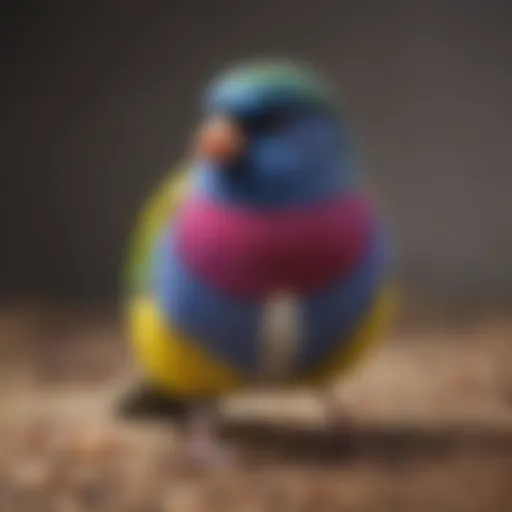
(203, 448)
(206, 452)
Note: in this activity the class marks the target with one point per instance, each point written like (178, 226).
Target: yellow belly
(180, 366)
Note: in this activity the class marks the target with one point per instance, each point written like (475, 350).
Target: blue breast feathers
(228, 327)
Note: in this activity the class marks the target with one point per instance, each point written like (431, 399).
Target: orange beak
(219, 139)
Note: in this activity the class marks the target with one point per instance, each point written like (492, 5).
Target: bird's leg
(202, 447)
(203, 444)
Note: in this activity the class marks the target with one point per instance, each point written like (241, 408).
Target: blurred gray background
(99, 99)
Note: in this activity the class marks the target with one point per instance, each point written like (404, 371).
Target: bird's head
(272, 136)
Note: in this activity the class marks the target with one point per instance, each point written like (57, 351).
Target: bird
(262, 259)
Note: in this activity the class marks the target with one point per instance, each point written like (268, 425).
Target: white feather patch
(280, 333)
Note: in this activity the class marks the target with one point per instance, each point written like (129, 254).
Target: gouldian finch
(262, 260)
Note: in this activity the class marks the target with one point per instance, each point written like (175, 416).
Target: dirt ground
(432, 409)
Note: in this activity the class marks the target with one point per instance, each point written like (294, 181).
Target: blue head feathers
(295, 149)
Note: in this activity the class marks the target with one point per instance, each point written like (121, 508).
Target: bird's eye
(270, 121)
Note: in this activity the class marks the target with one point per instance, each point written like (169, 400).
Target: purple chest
(254, 254)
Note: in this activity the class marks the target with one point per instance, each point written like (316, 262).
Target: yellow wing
(167, 356)
(153, 216)
(373, 329)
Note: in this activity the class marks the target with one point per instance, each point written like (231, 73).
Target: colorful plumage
(262, 260)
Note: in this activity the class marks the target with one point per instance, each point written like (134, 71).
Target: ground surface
(433, 410)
